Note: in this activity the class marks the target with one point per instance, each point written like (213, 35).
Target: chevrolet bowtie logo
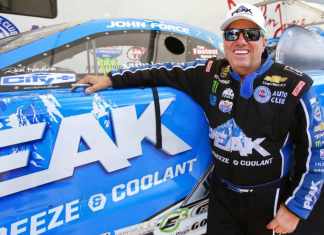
(275, 79)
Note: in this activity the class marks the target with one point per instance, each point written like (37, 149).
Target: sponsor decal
(313, 194)
(254, 163)
(317, 112)
(230, 138)
(214, 86)
(293, 70)
(319, 136)
(262, 94)
(136, 53)
(275, 79)
(319, 166)
(97, 202)
(138, 185)
(242, 9)
(209, 65)
(221, 158)
(228, 93)
(46, 220)
(222, 81)
(109, 52)
(172, 221)
(200, 208)
(298, 88)
(132, 64)
(322, 154)
(224, 71)
(98, 142)
(145, 228)
(212, 100)
(37, 79)
(245, 163)
(319, 127)
(278, 97)
(25, 69)
(7, 28)
(205, 53)
(319, 143)
(148, 25)
(212, 96)
(191, 219)
(225, 106)
(108, 64)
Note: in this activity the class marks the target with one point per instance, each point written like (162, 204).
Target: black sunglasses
(248, 34)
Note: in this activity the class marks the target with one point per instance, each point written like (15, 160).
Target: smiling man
(262, 115)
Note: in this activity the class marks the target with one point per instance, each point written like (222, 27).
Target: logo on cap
(242, 9)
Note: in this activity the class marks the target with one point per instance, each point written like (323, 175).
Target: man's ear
(264, 43)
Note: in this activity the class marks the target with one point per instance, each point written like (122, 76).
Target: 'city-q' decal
(37, 79)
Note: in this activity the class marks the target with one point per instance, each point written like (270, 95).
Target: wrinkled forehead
(242, 24)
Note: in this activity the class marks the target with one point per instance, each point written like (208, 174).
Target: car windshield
(301, 49)
(18, 40)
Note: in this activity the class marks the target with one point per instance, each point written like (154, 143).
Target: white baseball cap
(244, 11)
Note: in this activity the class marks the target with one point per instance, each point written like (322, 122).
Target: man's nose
(241, 39)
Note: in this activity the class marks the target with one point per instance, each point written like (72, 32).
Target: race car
(116, 162)
(302, 49)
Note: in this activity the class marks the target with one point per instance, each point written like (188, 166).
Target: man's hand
(284, 221)
(96, 83)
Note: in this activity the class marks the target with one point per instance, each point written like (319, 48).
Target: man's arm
(189, 77)
(308, 173)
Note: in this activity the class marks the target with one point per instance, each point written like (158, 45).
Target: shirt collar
(246, 89)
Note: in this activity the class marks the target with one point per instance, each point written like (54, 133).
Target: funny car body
(116, 162)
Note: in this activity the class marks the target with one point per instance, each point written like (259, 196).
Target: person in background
(261, 115)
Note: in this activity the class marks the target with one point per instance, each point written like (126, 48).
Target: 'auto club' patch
(262, 94)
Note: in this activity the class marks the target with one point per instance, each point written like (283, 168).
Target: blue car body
(77, 164)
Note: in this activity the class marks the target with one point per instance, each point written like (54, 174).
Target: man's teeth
(241, 52)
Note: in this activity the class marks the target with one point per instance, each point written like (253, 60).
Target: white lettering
(54, 222)
(312, 195)
(277, 100)
(256, 163)
(35, 223)
(40, 223)
(244, 145)
(125, 121)
(168, 174)
(18, 136)
(146, 182)
(117, 193)
(72, 211)
(37, 79)
(146, 185)
(127, 24)
(15, 227)
(129, 132)
(221, 158)
(132, 187)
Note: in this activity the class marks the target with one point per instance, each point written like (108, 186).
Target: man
(261, 115)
